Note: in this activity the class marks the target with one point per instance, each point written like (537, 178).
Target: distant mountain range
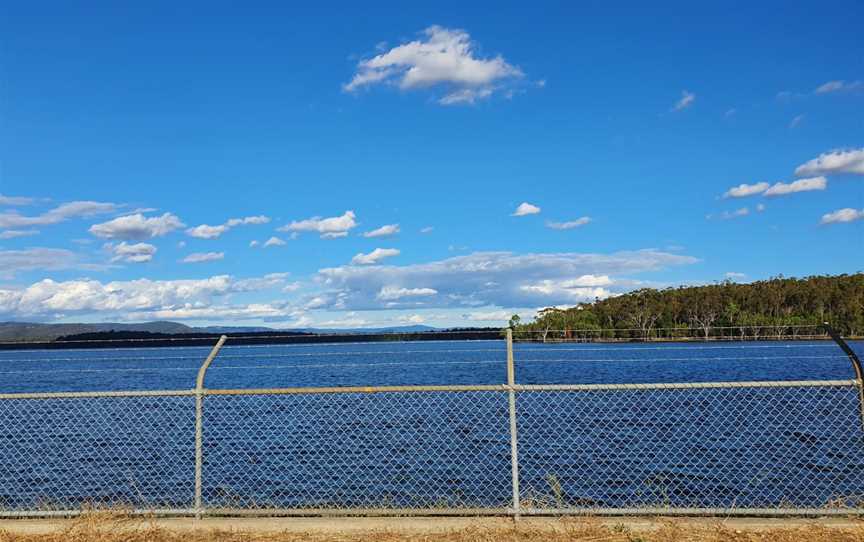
(29, 331)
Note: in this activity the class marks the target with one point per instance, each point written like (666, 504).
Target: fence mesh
(421, 447)
(354, 450)
(69, 453)
(773, 447)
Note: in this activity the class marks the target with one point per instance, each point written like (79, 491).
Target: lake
(717, 447)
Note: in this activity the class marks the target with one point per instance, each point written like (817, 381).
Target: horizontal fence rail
(772, 447)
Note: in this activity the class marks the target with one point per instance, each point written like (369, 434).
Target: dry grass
(105, 527)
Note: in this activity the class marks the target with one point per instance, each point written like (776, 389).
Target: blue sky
(627, 130)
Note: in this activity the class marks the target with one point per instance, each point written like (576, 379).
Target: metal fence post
(514, 439)
(199, 424)
(856, 366)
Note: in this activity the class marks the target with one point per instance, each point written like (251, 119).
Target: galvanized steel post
(199, 424)
(514, 439)
(856, 366)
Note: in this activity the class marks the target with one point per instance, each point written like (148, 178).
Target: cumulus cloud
(834, 162)
(487, 278)
(411, 319)
(144, 299)
(12, 234)
(744, 190)
(274, 242)
(15, 200)
(328, 228)
(133, 253)
(686, 100)
(270, 280)
(443, 58)
(569, 225)
(205, 231)
(584, 288)
(383, 231)
(136, 227)
(392, 293)
(200, 257)
(525, 209)
(61, 213)
(802, 185)
(375, 256)
(843, 215)
(839, 86)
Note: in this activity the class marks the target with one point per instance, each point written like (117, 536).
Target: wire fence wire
(766, 447)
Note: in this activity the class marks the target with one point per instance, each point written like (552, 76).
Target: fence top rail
(442, 388)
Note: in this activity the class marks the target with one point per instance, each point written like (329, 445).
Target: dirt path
(110, 528)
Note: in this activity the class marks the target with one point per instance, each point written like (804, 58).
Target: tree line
(775, 307)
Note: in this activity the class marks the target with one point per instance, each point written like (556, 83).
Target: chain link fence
(768, 447)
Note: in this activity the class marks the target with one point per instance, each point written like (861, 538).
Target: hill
(778, 303)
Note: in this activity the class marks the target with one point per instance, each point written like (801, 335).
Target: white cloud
(444, 58)
(796, 121)
(732, 275)
(760, 207)
(351, 320)
(274, 242)
(328, 228)
(834, 162)
(61, 213)
(392, 293)
(259, 219)
(686, 100)
(270, 280)
(383, 231)
(205, 231)
(15, 200)
(42, 259)
(375, 256)
(498, 316)
(136, 227)
(526, 208)
(743, 211)
(485, 279)
(427, 229)
(133, 253)
(584, 288)
(254, 243)
(744, 190)
(292, 287)
(411, 319)
(252, 311)
(802, 185)
(199, 257)
(12, 234)
(843, 215)
(466, 96)
(569, 225)
(144, 299)
(839, 86)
